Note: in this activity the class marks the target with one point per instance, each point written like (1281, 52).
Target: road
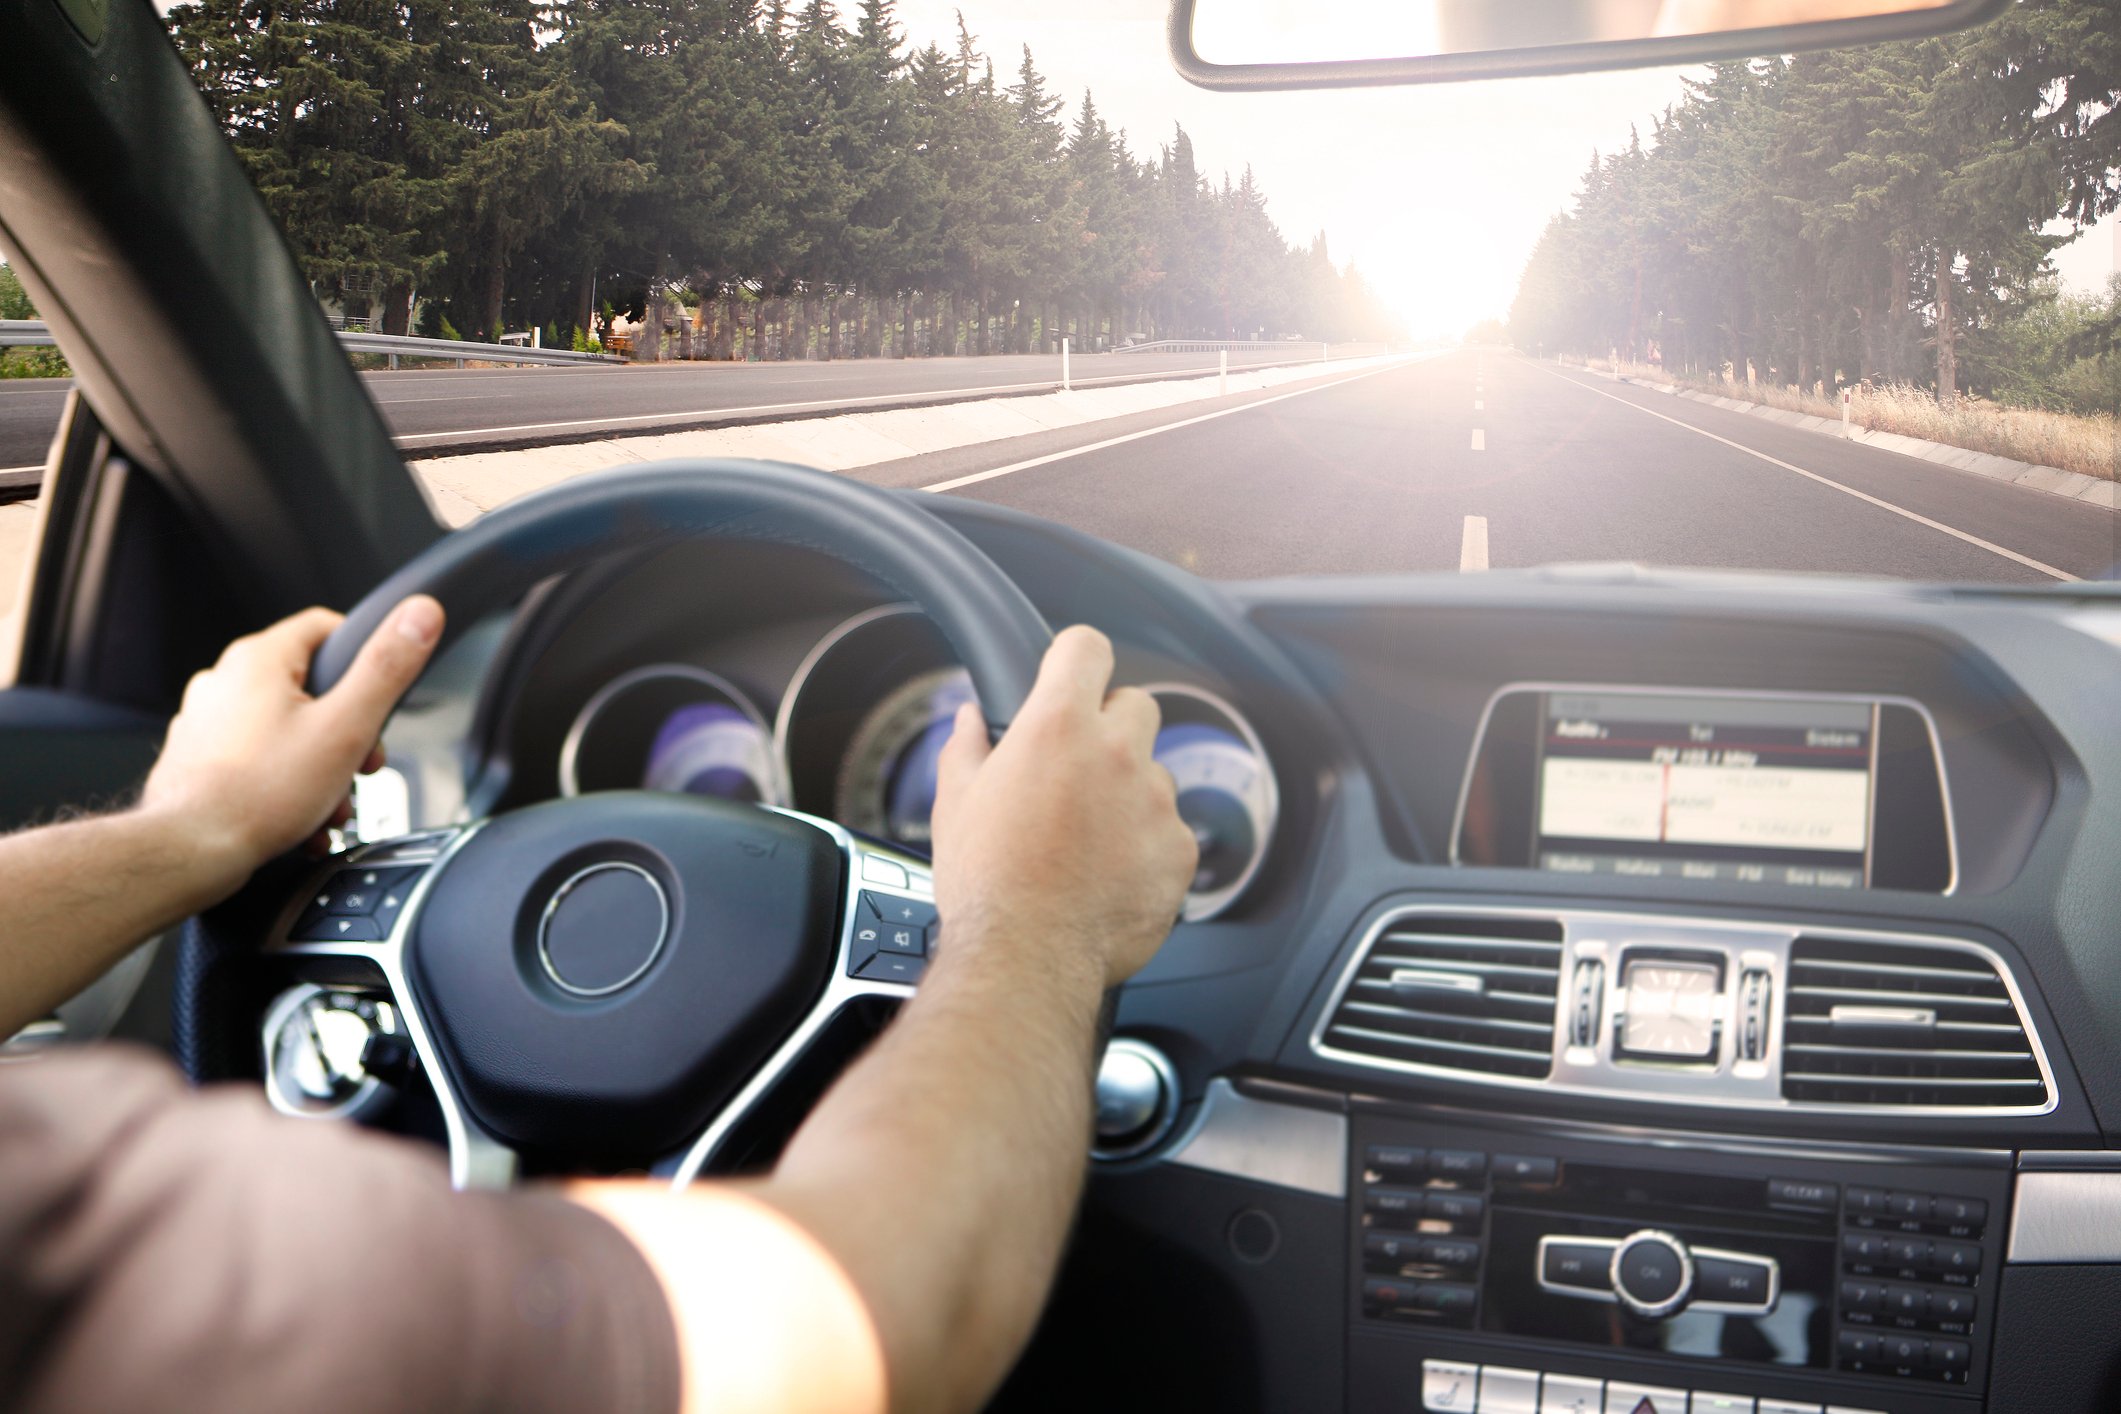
(433, 410)
(1475, 458)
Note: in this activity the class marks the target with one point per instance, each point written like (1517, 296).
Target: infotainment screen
(1754, 789)
(1727, 788)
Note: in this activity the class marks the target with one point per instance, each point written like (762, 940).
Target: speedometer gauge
(887, 781)
(710, 748)
(671, 727)
(1226, 793)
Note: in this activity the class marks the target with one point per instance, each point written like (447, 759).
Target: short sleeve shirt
(166, 1249)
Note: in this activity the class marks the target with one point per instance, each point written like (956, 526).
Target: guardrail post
(1222, 372)
(393, 363)
(1064, 363)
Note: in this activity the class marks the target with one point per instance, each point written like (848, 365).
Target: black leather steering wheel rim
(994, 629)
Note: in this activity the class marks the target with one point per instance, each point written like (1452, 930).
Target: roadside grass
(2073, 442)
(33, 363)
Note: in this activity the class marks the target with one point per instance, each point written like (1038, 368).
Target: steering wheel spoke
(888, 932)
(396, 876)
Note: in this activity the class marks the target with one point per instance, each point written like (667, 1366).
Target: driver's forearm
(83, 893)
(943, 1170)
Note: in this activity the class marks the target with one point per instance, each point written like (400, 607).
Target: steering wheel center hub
(603, 929)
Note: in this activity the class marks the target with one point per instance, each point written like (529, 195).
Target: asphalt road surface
(439, 409)
(1485, 459)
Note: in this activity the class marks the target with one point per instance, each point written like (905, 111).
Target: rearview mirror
(1275, 44)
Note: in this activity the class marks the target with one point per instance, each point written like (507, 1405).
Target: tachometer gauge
(887, 780)
(671, 727)
(1226, 793)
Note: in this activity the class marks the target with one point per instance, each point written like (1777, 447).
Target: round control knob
(1137, 1099)
(319, 1049)
(1653, 1273)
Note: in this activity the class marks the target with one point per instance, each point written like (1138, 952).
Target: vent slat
(1902, 969)
(1917, 1052)
(1457, 940)
(1969, 1049)
(1471, 1048)
(1500, 1022)
(1965, 1081)
(1454, 964)
(1897, 998)
(1452, 1018)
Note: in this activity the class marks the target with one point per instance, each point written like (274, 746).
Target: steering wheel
(622, 976)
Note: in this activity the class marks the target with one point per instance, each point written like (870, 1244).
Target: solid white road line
(1473, 546)
(1937, 525)
(978, 476)
(11, 470)
(1480, 440)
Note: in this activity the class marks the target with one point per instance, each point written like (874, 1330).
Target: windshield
(1850, 312)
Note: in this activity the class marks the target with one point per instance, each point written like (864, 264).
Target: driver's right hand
(1064, 837)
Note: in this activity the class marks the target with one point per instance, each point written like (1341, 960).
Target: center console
(1497, 1272)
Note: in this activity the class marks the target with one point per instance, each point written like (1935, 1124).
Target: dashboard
(1602, 989)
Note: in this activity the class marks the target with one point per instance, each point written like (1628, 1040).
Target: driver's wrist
(209, 858)
(1059, 956)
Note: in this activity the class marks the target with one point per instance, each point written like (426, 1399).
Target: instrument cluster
(858, 734)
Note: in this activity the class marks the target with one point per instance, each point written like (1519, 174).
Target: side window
(34, 381)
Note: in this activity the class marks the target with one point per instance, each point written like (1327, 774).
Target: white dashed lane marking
(1473, 545)
(1480, 440)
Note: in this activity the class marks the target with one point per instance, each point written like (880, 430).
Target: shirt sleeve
(165, 1249)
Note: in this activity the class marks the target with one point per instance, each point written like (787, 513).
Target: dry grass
(2090, 445)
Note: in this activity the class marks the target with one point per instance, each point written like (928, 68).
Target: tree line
(1873, 213)
(817, 185)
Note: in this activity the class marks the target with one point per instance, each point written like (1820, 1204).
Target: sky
(1437, 193)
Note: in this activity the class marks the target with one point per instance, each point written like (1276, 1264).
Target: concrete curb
(461, 487)
(2069, 485)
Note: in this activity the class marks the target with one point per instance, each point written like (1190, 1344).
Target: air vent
(1903, 1025)
(1451, 992)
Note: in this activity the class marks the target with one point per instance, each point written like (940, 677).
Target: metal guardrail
(409, 346)
(25, 334)
(32, 334)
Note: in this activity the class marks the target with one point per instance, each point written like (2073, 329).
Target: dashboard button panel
(1800, 1258)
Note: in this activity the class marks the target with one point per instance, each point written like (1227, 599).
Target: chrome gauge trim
(1929, 724)
(476, 1158)
(784, 719)
(1202, 907)
(1606, 936)
(841, 991)
(567, 886)
(577, 730)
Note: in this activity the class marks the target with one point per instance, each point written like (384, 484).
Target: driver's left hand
(254, 765)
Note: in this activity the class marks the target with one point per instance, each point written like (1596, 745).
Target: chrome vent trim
(1868, 1023)
(1366, 1020)
(1473, 993)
